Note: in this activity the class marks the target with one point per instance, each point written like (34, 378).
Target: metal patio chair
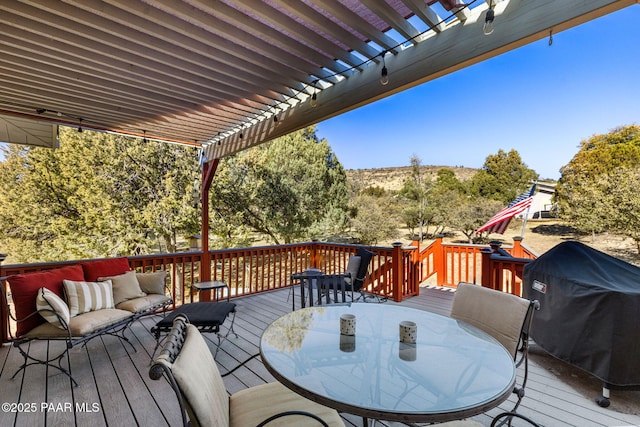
(504, 316)
(188, 365)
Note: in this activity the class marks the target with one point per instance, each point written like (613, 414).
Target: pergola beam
(518, 22)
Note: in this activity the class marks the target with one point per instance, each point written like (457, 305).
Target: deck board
(115, 378)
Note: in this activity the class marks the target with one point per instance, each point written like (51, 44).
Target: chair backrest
(365, 259)
(332, 288)
(501, 315)
(187, 362)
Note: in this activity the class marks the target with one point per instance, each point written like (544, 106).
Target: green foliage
(598, 187)
(374, 219)
(286, 189)
(503, 177)
(375, 191)
(467, 215)
(98, 195)
(432, 205)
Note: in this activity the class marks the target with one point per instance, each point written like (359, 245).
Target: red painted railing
(395, 273)
(492, 266)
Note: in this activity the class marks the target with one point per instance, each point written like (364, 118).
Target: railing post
(487, 268)
(398, 271)
(517, 251)
(439, 260)
(315, 257)
(416, 268)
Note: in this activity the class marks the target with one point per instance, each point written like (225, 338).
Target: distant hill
(392, 179)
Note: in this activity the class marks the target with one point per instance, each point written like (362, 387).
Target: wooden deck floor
(115, 389)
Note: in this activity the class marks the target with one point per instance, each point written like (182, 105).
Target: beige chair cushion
(46, 331)
(81, 325)
(142, 304)
(200, 382)
(252, 405)
(125, 286)
(499, 314)
(92, 321)
(152, 283)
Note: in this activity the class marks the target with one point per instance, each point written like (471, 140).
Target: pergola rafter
(203, 72)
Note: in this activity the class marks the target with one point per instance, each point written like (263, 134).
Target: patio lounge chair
(354, 276)
(504, 316)
(186, 361)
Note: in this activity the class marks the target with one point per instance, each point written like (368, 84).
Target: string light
(384, 75)
(144, 138)
(80, 127)
(550, 37)
(314, 97)
(488, 26)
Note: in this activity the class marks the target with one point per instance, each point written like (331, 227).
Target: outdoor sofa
(79, 302)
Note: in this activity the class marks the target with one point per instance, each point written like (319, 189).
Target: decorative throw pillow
(152, 283)
(49, 304)
(125, 287)
(83, 297)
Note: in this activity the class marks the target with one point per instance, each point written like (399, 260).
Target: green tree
(596, 190)
(374, 220)
(621, 202)
(286, 189)
(503, 177)
(98, 195)
(467, 214)
(417, 213)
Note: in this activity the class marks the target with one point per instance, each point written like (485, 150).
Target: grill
(589, 312)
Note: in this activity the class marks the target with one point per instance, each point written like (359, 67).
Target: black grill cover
(589, 310)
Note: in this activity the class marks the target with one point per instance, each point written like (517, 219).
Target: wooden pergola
(226, 75)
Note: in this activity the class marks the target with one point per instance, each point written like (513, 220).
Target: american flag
(500, 221)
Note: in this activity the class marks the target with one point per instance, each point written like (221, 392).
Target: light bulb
(314, 100)
(276, 122)
(384, 76)
(488, 27)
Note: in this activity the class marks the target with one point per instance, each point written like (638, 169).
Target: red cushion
(24, 289)
(104, 268)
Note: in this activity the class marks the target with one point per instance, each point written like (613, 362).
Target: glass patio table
(453, 371)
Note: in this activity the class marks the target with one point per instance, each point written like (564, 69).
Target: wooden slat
(112, 375)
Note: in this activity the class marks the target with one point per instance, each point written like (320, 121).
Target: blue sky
(540, 100)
